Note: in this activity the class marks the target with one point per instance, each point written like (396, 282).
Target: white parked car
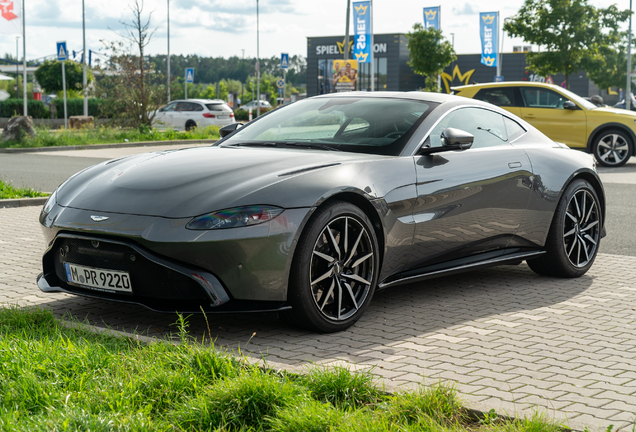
(192, 113)
(264, 105)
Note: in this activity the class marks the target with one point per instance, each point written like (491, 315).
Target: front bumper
(241, 269)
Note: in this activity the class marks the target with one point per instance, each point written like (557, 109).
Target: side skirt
(510, 258)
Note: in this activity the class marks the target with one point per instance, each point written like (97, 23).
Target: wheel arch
(596, 184)
(367, 207)
(608, 126)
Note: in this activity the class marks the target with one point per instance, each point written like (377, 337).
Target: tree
(610, 69)
(573, 34)
(132, 88)
(49, 75)
(430, 53)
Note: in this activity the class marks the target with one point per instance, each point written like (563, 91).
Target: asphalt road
(46, 171)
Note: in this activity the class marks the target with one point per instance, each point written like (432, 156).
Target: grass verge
(55, 378)
(8, 191)
(106, 135)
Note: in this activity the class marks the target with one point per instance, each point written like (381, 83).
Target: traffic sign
(280, 83)
(62, 53)
(284, 60)
(190, 75)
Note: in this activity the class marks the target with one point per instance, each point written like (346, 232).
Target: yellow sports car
(610, 134)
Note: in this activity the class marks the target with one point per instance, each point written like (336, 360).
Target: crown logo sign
(361, 9)
(362, 57)
(341, 46)
(488, 19)
(430, 15)
(489, 60)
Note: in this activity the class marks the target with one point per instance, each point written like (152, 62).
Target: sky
(224, 28)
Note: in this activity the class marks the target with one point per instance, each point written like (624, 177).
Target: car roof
(417, 95)
(203, 101)
(507, 84)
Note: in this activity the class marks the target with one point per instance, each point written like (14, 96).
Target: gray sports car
(312, 207)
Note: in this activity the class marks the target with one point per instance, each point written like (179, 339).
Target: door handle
(530, 116)
(513, 165)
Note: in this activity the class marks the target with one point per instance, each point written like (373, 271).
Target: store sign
(362, 31)
(488, 25)
(338, 49)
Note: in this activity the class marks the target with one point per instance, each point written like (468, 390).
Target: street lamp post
(17, 62)
(258, 67)
(84, 60)
(243, 65)
(24, 71)
(168, 60)
(628, 88)
(346, 45)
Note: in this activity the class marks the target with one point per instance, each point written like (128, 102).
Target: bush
(75, 107)
(240, 115)
(11, 107)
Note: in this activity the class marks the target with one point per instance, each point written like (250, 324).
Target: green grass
(106, 135)
(7, 191)
(55, 378)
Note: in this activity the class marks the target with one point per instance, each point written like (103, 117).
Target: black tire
(575, 234)
(613, 148)
(335, 269)
(190, 125)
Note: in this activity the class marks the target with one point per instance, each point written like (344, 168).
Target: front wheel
(612, 148)
(335, 269)
(575, 234)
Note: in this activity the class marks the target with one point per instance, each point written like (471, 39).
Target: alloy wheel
(341, 268)
(581, 230)
(612, 149)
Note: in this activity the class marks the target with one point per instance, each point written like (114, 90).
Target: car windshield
(578, 99)
(365, 125)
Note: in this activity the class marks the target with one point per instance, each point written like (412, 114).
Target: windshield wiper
(311, 145)
(253, 143)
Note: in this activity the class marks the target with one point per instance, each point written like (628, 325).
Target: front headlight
(50, 203)
(235, 217)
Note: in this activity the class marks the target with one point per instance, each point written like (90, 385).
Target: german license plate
(223, 117)
(98, 279)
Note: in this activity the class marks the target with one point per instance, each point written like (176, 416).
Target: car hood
(191, 182)
(615, 111)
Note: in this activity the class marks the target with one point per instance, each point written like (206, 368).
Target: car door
(543, 109)
(186, 111)
(165, 117)
(471, 201)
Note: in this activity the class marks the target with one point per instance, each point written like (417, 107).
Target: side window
(536, 97)
(171, 107)
(486, 126)
(513, 128)
(182, 106)
(196, 107)
(502, 96)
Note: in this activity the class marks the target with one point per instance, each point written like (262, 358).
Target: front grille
(148, 279)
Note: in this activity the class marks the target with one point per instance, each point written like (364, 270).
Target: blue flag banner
(431, 17)
(488, 25)
(362, 26)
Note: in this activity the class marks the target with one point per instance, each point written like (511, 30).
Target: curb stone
(103, 146)
(23, 202)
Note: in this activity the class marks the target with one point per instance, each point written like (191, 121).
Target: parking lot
(507, 338)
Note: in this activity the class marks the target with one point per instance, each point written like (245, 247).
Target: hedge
(240, 114)
(35, 108)
(75, 107)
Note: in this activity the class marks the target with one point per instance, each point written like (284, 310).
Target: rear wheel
(575, 234)
(190, 125)
(335, 269)
(612, 148)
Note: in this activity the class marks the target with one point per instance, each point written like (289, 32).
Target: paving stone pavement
(507, 338)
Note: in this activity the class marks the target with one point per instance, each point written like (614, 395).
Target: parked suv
(191, 113)
(608, 133)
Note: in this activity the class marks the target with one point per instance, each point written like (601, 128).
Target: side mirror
(569, 105)
(226, 130)
(452, 139)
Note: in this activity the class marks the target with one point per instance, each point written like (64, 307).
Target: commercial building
(392, 73)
